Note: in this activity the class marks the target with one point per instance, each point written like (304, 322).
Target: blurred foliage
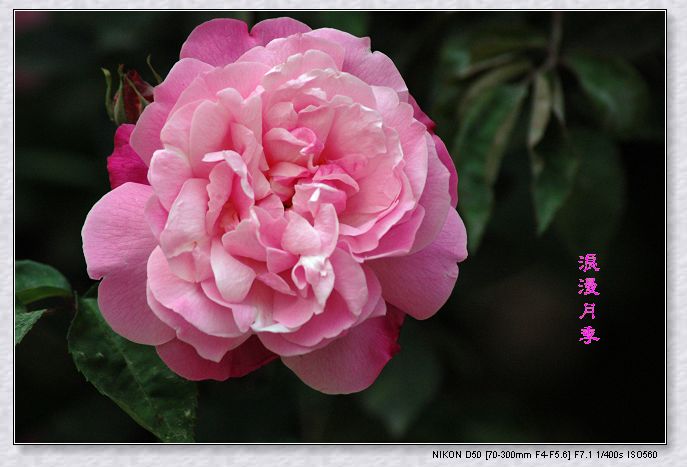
(492, 67)
(555, 122)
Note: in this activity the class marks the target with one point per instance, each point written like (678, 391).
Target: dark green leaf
(479, 147)
(35, 281)
(108, 93)
(119, 109)
(491, 79)
(558, 100)
(24, 321)
(396, 399)
(618, 93)
(541, 109)
(133, 376)
(488, 45)
(462, 66)
(592, 213)
(92, 291)
(494, 42)
(554, 166)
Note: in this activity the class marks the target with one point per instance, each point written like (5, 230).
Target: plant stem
(555, 41)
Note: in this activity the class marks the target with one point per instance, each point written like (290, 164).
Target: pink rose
(299, 206)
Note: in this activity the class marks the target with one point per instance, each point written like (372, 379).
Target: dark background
(501, 362)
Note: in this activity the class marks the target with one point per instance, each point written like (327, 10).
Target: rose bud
(131, 97)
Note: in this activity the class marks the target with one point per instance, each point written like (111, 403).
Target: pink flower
(299, 207)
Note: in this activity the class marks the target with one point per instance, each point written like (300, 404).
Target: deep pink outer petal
(116, 243)
(420, 283)
(221, 41)
(218, 42)
(420, 115)
(353, 362)
(270, 29)
(185, 361)
(124, 165)
(445, 158)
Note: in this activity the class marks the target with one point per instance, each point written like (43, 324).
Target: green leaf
(591, 215)
(618, 92)
(398, 400)
(479, 147)
(488, 45)
(119, 109)
(133, 376)
(491, 79)
(554, 167)
(541, 109)
(35, 281)
(558, 100)
(24, 321)
(92, 291)
(108, 93)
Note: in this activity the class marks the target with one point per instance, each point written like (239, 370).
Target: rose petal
(188, 299)
(338, 316)
(378, 69)
(420, 115)
(186, 222)
(445, 159)
(156, 216)
(185, 361)
(115, 234)
(123, 304)
(350, 281)
(221, 41)
(208, 347)
(267, 30)
(234, 279)
(355, 47)
(168, 172)
(124, 165)
(436, 201)
(145, 138)
(352, 362)
(117, 242)
(420, 283)
(218, 42)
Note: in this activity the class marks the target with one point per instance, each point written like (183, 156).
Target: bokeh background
(501, 362)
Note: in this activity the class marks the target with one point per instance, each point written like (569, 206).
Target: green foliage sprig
(490, 71)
